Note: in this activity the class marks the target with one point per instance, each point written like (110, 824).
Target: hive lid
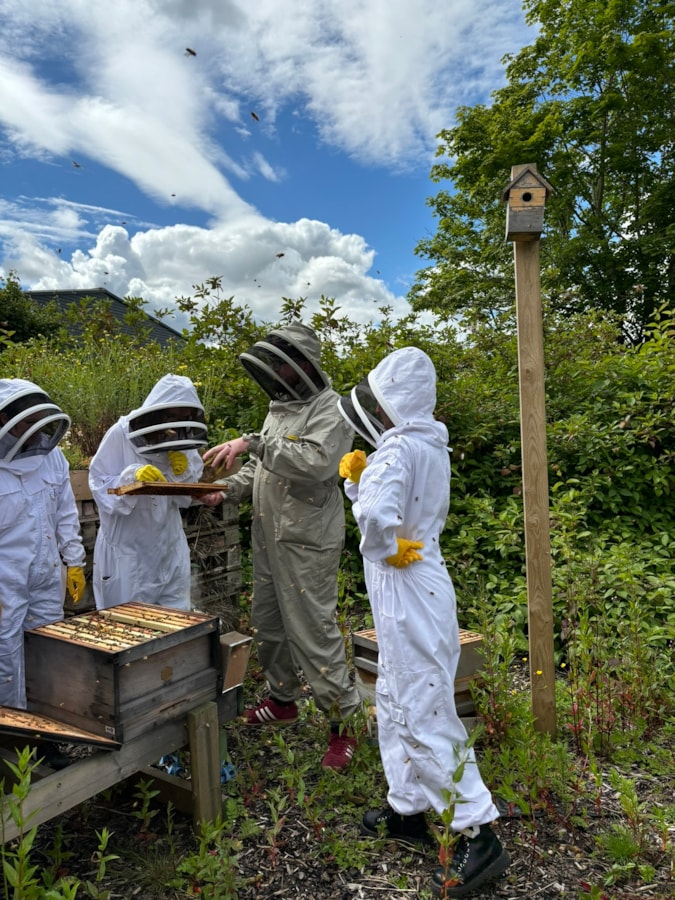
(33, 726)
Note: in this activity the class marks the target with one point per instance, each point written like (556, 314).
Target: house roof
(119, 308)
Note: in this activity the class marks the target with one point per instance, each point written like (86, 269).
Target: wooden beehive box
(365, 653)
(120, 672)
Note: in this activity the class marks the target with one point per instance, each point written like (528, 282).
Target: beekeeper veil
(171, 418)
(30, 423)
(401, 388)
(286, 364)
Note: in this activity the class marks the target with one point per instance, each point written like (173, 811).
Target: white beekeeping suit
(141, 552)
(403, 494)
(39, 524)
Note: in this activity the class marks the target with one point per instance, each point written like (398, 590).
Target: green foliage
(212, 871)
(21, 319)
(22, 878)
(591, 101)
(611, 440)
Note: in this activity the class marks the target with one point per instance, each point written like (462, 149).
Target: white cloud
(164, 263)
(377, 80)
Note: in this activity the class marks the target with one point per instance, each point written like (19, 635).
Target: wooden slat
(165, 488)
(113, 616)
(30, 725)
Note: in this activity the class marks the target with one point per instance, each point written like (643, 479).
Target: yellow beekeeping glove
(76, 582)
(179, 462)
(406, 554)
(352, 465)
(149, 473)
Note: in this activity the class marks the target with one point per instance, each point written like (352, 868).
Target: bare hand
(225, 454)
(214, 499)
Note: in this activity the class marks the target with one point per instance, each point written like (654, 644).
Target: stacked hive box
(213, 538)
(365, 652)
(122, 672)
(89, 521)
(215, 551)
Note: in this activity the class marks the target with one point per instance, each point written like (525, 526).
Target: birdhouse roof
(529, 177)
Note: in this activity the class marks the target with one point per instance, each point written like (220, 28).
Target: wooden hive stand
(135, 683)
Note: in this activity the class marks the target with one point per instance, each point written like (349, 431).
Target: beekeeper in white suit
(400, 497)
(39, 526)
(141, 552)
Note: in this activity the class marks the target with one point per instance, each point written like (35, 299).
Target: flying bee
(190, 52)
(254, 116)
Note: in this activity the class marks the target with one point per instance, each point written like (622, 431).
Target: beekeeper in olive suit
(141, 552)
(39, 526)
(400, 497)
(297, 533)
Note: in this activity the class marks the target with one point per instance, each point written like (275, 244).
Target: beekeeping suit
(141, 552)
(39, 524)
(401, 496)
(298, 524)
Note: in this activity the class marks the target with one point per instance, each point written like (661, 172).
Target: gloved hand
(352, 465)
(406, 554)
(76, 582)
(178, 461)
(149, 473)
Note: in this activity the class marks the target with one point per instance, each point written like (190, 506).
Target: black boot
(409, 829)
(475, 861)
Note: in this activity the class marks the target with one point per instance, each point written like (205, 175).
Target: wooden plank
(63, 790)
(235, 649)
(113, 616)
(60, 791)
(79, 481)
(205, 762)
(165, 488)
(32, 726)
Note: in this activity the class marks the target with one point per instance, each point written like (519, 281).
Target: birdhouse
(525, 197)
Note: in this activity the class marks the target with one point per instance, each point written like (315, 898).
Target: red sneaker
(269, 712)
(340, 751)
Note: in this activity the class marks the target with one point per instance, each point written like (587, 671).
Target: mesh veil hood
(41, 422)
(170, 418)
(400, 392)
(406, 381)
(287, 363)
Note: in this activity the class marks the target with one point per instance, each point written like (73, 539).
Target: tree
(20, 318)
(592, 103)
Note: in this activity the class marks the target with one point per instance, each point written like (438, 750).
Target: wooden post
(523, 228)
(205, 762)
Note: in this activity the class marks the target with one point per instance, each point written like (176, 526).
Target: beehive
(215, 554)
(365, 653)
(122, 671)
(89, 522)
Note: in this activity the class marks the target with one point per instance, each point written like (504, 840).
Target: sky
(282, 145)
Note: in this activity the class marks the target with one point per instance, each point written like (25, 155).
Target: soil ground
(308, 847)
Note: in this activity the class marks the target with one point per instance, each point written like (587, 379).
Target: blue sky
(176, 181)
